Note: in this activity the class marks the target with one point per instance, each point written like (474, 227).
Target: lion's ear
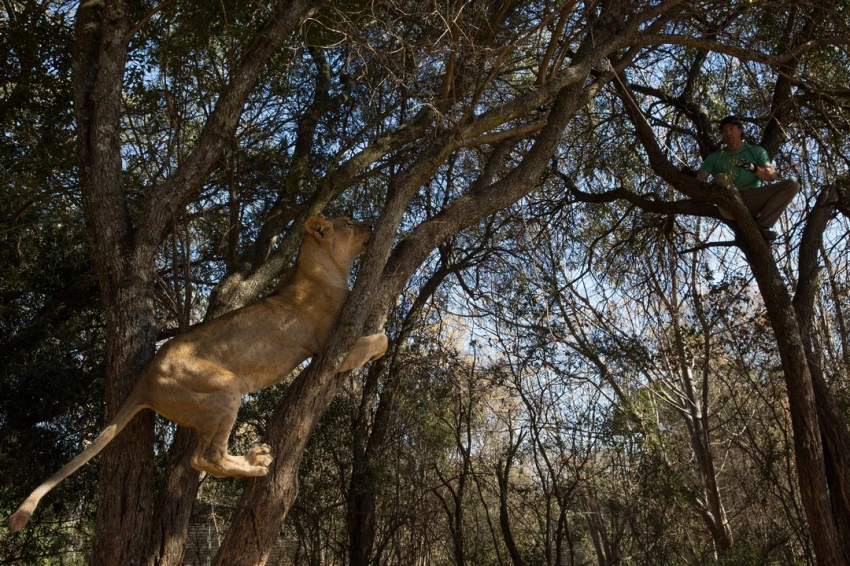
(318, 227)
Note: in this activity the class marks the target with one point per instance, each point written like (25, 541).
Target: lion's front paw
(260, 455)
(381, 344)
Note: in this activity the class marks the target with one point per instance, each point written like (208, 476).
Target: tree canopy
(589, 364)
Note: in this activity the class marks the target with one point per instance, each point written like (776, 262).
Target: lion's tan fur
(198, 378)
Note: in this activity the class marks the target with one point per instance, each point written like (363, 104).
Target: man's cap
(731, 120)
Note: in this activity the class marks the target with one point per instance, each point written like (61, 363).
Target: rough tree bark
(126, 483)
(833, 428)
(808, 448)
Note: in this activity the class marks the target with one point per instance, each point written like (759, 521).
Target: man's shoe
(768, 234)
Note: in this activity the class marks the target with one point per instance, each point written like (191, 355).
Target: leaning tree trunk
(808, 447)
(266, 501)
(368, 444)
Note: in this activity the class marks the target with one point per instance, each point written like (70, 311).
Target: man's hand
(747, 166)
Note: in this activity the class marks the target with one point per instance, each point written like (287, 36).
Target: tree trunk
(808, 448)
(266, 501)
(126, 469)
(833, 428)
(125, 484)
(174, 503)
(255, 528)
(368, 444)
(362, 488)
(503, 471)
(361, 517)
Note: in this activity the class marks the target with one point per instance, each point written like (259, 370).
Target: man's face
(732, 135)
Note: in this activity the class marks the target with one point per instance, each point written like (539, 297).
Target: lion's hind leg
(211, 451)
(213, 458)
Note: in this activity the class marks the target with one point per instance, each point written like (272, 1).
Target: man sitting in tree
(747, 168)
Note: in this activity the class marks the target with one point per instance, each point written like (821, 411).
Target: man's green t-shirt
(724, 160)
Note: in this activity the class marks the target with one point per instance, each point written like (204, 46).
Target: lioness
(197, 379)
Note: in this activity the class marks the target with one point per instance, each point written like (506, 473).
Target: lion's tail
(25, 511)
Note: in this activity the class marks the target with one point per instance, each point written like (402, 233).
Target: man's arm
(764, 168)
(702, 175)
(766, 173)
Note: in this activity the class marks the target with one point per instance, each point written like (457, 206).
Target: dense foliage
(588, 365)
